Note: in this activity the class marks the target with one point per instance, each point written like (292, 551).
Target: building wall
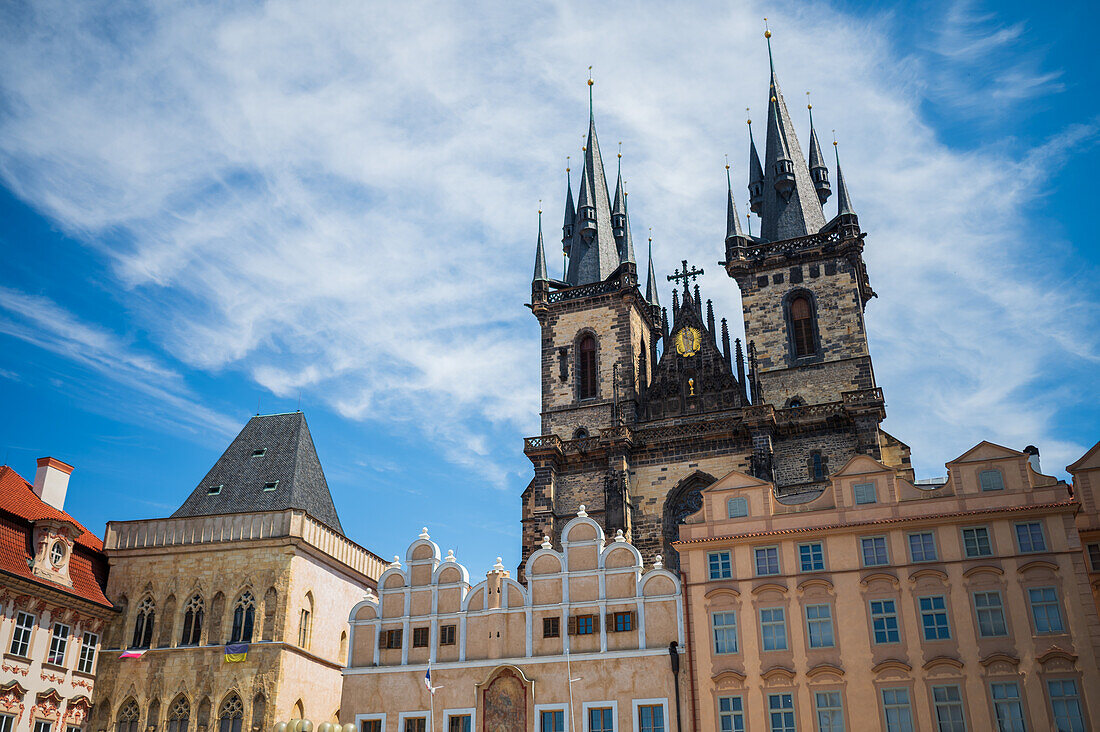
(856, 665)
(499, 624)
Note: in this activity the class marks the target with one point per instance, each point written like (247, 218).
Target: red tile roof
(19, 508)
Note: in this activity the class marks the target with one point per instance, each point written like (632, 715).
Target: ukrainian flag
(236, 652)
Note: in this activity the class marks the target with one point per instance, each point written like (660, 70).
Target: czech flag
(236, 652)
(133, 653)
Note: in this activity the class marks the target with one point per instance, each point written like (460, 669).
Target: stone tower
(634, 437)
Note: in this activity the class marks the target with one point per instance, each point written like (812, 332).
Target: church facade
(635, 432)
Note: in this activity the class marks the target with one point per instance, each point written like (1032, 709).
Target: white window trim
(613, 705)
(364, 717)
(448, 713)
(402, 716)
(540, 708)
(635, 703)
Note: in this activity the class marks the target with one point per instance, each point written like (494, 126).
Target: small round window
(57, 553)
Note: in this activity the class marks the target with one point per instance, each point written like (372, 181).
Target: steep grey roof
(593, 254)
(651, 281)
(540, 257)
(289, 458)
(801, 213)
(733, 223)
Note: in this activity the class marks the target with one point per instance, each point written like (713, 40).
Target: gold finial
(767, 31)
(590, 82)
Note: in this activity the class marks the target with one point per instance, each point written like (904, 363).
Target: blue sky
(213, 208)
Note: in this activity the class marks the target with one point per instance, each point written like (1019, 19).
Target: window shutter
(610, 620)
(572, 625)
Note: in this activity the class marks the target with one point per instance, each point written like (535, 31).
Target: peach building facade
(884, 604)
(501, 654)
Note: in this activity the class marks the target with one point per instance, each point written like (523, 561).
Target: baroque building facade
(52, 605)
(635, 432)
(256, 556)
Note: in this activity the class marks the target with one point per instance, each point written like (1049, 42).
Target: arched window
(586, 367)
(737, 507)
(128, 717)
(178, 715)
(192, 621)
(231, 714)
(802, 326)
(143, 625)
(243, 617)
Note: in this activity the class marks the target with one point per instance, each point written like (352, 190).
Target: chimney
(51, 482)
(1032, 453)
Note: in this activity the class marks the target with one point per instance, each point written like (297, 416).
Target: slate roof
(19, 509)
(289, 458)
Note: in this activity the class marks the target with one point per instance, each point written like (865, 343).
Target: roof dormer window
(272, 485)
(259, 452)
(213, 490)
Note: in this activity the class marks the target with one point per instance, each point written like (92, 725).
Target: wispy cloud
(342, 201)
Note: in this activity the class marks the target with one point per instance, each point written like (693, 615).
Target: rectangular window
(933, 618)
(601, 719)
(830, 711)
(991, 480)
(41, 725)
(991, 615)
(950, 716)
(1029, 537)
(781, 713)
(21, 638)
(1045, 610)
(976, 542)
(651, 718)
(59, 642)
(622, 622)
(895, 707)
(1094, 557)
(725, 632)
(370, 725)
(1065, 702)
(811, 557)
(922, 547)
(87, 654)
(551, 627)
(773, 628)
(457, 723)
(1007, 707)
(720, 567)
(731, 714)
(819, 625)
(874, 551)
(446, 635)
(864, 493)
(420, 637)
(415, 724)
(6, 722)
(884, 621)
(767, 561)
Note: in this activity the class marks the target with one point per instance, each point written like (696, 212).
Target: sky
(213, 209)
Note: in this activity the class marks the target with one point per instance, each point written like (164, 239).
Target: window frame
(722, 561)
(756, 553)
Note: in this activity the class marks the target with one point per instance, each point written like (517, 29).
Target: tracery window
(231, 714)
(128, 717)
(243, 617)
(192, 621)
(586, 368)
(802, 327)
(178, 715)
(143, 625)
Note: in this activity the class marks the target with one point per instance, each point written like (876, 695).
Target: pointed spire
(651, 280)
(843, 202)
(594, 252)
(540, 256)
(756, 174)
(791, 207)
(733, 223)
(818, 172)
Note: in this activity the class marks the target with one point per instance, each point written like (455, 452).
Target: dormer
(53, 548)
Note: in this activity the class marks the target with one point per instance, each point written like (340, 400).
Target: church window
(143, 624)
(128, 717)
(586, 368)
(271, 485)
(737, 507)
(179, 715)
(192, 621)
(243, 617)
(231, 714)
(991, 480)
(802, 327)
